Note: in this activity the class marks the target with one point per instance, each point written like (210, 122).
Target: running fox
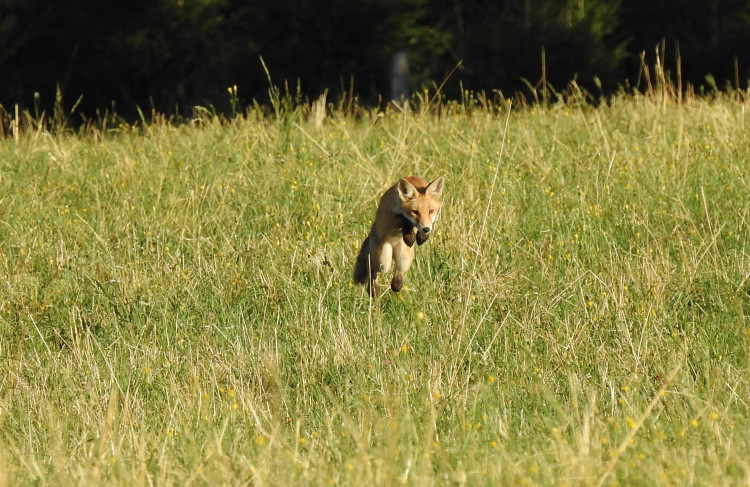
(407, 213)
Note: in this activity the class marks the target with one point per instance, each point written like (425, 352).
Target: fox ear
(406, 190)
(436, 187)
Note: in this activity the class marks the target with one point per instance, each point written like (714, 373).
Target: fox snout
(422, 227)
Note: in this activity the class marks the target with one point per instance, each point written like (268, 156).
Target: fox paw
(397, 284)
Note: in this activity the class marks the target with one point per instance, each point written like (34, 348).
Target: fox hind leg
(372, 260)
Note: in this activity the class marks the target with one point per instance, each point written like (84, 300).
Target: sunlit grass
(176, 303)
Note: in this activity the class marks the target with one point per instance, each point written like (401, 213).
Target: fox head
(420, 204)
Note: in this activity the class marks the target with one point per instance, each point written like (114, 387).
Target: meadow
(176, 305)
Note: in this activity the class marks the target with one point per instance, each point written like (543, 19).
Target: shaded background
(170, 55)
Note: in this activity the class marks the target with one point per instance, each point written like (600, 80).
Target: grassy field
(176, 305)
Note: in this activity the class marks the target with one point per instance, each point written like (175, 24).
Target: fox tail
(362, 268)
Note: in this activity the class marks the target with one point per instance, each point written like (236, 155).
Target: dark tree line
(173, 54)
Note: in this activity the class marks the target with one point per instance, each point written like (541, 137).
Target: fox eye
(415, 212)
(432, 210)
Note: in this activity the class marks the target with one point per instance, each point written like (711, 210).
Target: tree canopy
(172, 54)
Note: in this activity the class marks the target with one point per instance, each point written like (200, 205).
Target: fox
(406, 214)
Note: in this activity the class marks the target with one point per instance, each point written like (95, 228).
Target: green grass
(176, 305)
